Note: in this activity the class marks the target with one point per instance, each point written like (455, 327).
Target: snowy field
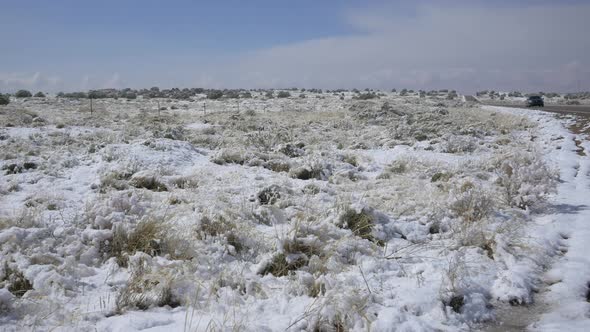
(322, 213)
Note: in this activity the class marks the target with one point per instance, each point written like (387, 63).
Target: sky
(467, 45)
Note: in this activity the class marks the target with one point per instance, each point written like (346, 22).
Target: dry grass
(15, 281)
(147, 237)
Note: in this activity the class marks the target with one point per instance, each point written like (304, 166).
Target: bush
(367, 96)
(147, 181)
(23, 94)
(360, 223)
(525, 180)
(214, 94)
(269, 195)
(146, 288)
(4, 99)
(283, 94)
(146, 237)
(39, 95)
(15, 281)
(471, 204)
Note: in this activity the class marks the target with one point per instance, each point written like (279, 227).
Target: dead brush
(470, 203)
(220, 227)
(295, 254)
(146, 288)
(148, 182)
(15, 281)
(146, 237)
(360, 223)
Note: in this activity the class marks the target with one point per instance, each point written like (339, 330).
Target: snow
(432, 244)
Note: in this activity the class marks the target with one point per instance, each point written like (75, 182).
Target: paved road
(563, 109)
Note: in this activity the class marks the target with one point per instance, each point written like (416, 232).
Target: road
(583, 110)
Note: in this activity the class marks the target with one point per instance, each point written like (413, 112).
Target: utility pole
(158, 108)
(91, 105)
(204, 109)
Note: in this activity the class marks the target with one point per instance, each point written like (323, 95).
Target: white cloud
(466, 47)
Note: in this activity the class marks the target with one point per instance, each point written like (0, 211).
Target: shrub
(279, 265)
(214, 94)
(221, 228)
(283, 94)
(471, 204)
(360, 223)
(367, 96)
(269, 195)
(39, 95)
(146, 288)
(4, 99)
(295, 254)
(130, 95)
(458, 144)
(147, 181)
(525, 179)
(15, 281)
(23, 94)
(146, 237)
(269, 94)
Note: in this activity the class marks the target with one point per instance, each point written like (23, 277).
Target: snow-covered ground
(321, 213)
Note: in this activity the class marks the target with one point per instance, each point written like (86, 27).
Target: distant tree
(39, 95)
(4, 99)
(283, 94)
(233, 94)
(368, 95)
(269, 94)
(214, 94)
(23, 94)
(130, 95)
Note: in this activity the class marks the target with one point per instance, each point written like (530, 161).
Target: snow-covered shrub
(14, 281)
(314, 167)
(221, 228)
(147, 180)
(269, 195)
(525, 179)
(185, 182)
(230, 156)
(471, 204)
(294, 253)
(147, 287)
(146, 237)
(458, 144)
(291, 150)
(360, 223)
(6, 301)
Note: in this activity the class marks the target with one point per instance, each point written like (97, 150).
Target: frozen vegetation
(312, 211)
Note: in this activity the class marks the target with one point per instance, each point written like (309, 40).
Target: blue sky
(78, 45)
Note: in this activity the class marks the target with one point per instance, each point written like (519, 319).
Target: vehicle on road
(533, 101)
